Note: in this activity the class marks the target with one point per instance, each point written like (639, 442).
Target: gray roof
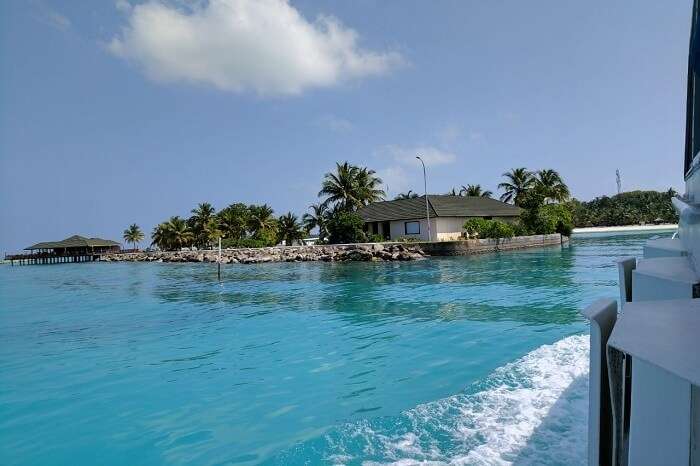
(443, 205)
(75, 241)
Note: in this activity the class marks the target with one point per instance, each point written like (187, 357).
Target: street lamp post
(427, 209)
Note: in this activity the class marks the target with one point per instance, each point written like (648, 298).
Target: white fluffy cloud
(238, 45)
(431, 155)
(405, 172)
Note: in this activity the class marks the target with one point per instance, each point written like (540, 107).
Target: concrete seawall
(482, 246)
(343, 252)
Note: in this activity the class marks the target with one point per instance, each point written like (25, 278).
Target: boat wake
(530, 411)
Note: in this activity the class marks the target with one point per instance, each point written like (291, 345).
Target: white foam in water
(531, 411)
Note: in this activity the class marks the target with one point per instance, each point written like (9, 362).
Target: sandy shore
(626, 228)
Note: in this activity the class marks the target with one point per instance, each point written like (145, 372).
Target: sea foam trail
(530, 411)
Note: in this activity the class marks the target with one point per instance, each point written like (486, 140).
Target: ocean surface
(468, 360)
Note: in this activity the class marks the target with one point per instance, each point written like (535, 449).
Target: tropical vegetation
(346, 227)
(289, 229)
(345, 190)
(630, 208)
(238, 225)
(133, 235)
(317, 218)
(543, 196)
(483, 228)
(518, 183)
(407, 195)
(351, 187)
(474, 190)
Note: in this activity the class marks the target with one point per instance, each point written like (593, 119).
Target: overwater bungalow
(73, 249)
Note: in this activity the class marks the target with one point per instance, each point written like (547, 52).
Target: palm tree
(201, 216)
(452, 192)
(339, 187)
(261, 220)
(211, 232)
(204, 211)
(133, 235)
(290, 229)
(233, 221)
(173, 234)
(474, 190)
(368, 187)
(351, 187)
(317, 218)
(160, 236)
(520, 180)
(407, 195)
(551, 186)
(178, 233)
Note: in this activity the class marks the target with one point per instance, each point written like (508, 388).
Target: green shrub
(489, 228)
(548, 218)
(520, 230)
(408, 239)
(244, 243)
(266, 237)
(345, 227)
(499, 229)
(558, 218)
(375, 238)
(476, 226)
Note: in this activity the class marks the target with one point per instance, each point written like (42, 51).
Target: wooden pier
(70, 250)
(42, 259)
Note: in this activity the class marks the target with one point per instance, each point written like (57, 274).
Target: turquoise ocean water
(472, 360)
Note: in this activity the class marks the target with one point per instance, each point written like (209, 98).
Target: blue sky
(117, 112)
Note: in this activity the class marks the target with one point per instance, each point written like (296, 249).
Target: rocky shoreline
(344, 252)
(329, 253)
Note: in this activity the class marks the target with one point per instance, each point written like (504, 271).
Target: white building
(407, 218)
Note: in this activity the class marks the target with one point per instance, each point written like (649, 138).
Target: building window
(412, 228)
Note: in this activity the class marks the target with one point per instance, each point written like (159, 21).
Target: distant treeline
(542, 194)
(630, 208)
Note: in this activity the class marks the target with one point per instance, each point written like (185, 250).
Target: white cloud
(432, 156)
(238, 45)
(123, 6)
(395, 180)
(404, 172)
(51, 17)
(335, 123)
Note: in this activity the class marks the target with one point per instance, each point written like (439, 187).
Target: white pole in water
(427, 209)
(218, 262)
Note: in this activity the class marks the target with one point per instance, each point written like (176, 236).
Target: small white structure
(406, 218)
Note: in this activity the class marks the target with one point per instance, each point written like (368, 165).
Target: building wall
(443, 228)
(397, 229)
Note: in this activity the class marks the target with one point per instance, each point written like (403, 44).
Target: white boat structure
(644, 398)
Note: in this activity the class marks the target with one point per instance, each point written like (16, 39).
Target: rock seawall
(328, 253)
(343, 252)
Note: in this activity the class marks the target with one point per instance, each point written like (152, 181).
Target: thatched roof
(440, 206)
(75, 241)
